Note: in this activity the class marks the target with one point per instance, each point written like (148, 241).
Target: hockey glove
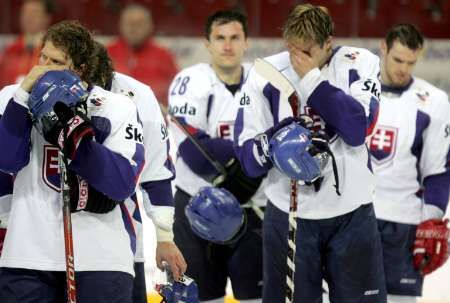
(237, 182)
(431, 245)
(85, 197)
(262, 141)
(66, 129)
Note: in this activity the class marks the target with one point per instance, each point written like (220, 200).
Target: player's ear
(207, 44)
(247, 44)
(383, 48)
(329, 43)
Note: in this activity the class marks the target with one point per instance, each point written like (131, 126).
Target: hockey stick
(68, 239)
(217, 165)
(280, 82)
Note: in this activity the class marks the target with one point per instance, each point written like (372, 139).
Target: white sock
(251, 301)
(401, 299)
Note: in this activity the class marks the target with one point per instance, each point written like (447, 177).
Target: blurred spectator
(136, 54)
(23, 53)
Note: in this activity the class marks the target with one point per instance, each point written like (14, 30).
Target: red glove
(2, 238)
(431, 245)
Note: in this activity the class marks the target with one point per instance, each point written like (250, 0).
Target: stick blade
(274, 76)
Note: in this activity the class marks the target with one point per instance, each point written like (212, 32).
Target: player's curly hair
(308, 22)
(78, 43)
(102, 74)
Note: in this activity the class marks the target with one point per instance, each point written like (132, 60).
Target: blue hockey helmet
(55, 86)
(183, 291)
(216, 215)
(289, 151)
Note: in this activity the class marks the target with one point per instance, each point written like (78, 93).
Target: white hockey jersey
(204, 104)
(158, 167)
(342, 98)
(156, 152)
(101, 241)
(410, 153)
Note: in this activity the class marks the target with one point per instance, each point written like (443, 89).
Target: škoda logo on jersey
(184, 109)
(134, 134)
(383, 144)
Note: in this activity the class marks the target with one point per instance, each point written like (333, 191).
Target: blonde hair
(308, 22)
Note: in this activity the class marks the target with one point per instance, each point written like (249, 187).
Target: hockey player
(411, 160)
(201, 98)
(156, 153)
(155, 182)
(337, 237)
(105, 149)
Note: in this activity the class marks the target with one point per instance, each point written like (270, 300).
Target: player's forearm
(159, 192)
(342, 112)
(15, 132)
(107, 171)
(346, 116)
(220, 149)
(159, 206)
(251, 159)
(437, 190)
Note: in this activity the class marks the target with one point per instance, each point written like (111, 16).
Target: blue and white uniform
(155, 183)
(341, 98)
(345, 94)
(156, 177)
(411, 161)
(111, 163)
(207, 108)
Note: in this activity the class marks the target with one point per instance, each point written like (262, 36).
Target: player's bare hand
(303, 60)
(35, 73)
(169, 252)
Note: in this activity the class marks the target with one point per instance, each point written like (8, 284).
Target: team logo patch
(77, 89)
(50, 168)
(96, 101)
(423, 95)
(383, 143)
(352, 55)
